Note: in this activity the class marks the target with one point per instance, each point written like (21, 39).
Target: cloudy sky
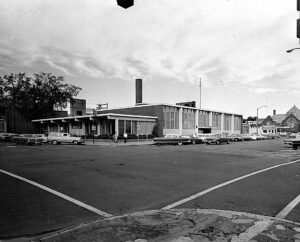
(237, 48)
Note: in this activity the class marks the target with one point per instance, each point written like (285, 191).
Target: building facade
(141, 120)
(288, 122)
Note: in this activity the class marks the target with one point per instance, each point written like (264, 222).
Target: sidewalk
(182, 225)
(108, 142)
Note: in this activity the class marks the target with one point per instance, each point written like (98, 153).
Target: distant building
(76, 107)
(13, 122)
(288, 122)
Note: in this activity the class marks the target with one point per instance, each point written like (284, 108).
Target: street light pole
(257, 117)
(200, 93)
(289, 51)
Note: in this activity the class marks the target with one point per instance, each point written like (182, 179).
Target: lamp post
(257, 117)
(289, 51)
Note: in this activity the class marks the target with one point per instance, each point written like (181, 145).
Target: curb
(182, 225)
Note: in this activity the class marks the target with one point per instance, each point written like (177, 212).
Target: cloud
(228, 43)
(264, 90)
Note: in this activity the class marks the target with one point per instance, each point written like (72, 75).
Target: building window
(121, 127)
(227, 122)
(237, 122)
(77, 125)
(134, 127)
(79, 113)
(2, 125)
(171, 117)
(216, 120)
(145, 127)
(203, 119)
(188, 119)
(128, 127)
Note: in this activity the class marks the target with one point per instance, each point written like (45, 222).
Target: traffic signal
(298, 28)
(298, 20)
(125, 3)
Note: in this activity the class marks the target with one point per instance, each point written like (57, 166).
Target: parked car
(58, 138)
(203, 137)
(253, 137)
(27, 139)
(235, 137)
(7, 137)
(293, 142)
(175, 139)
(259, 136)
(247, 137)
(195, 139)
(271, 136)
(42, 137)
(217, 139)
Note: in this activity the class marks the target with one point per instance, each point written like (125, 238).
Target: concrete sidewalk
(108, 142)
(182, 225)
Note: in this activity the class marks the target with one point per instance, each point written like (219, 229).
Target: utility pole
(200, 93)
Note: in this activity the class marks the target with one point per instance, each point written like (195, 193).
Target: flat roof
(97, 115)
(172, 105)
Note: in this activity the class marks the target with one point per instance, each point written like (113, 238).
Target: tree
(35, 97)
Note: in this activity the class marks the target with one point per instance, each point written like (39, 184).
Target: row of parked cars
(210, 138)
(38, 139)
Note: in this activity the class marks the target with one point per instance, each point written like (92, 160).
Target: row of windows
(237, 123)
(135, 127)
(203, 119)
(188, 119)
(216, 120)
(227, 122)
(171, 117)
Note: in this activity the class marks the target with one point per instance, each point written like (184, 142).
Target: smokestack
(138, 91)
(274, 112)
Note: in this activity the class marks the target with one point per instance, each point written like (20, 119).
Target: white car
(58, 138)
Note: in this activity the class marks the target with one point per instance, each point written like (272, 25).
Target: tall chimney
(138, 91)
(274, 112)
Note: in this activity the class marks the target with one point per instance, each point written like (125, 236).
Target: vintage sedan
(174, 139)
(235, 137)
(27, 139)
(293, 142)
(217, 139)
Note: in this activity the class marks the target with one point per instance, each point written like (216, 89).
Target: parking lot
(260, 177)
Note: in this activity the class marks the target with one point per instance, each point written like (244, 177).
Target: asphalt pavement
(120, 179)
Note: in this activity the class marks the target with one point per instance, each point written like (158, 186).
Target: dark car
(27, 139)
(293, 142)
(172, 139)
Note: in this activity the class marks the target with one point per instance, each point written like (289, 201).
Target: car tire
(54, 142)
(75, 142)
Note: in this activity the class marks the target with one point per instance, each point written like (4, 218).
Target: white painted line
(173, 205)
(284, 212)
(252, 231)
(63, 196)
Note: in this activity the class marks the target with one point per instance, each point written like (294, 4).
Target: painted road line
(63, 196)
(199, 194)
(284, 212)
